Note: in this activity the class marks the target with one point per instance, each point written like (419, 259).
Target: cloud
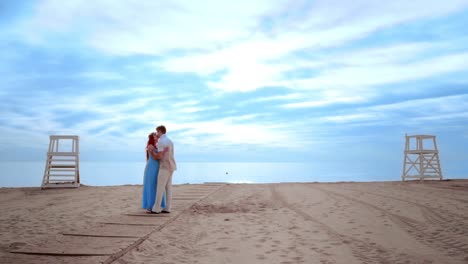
(102, 75)
(352, 117)
(272, 99)
(231, 77)
(388, 73)
(250, 45)
(438, 109)
(324, 101)
(362, 75)
(155, 27)
(111, 119)
(264, 59)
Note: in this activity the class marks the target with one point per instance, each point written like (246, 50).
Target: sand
(378, 222)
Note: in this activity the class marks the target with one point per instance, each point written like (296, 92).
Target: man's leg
(169, 192)
(162, 182)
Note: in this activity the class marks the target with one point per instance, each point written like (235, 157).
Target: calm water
(29, 174)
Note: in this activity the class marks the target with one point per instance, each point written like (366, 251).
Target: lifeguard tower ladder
(421, 158)
(62, 168)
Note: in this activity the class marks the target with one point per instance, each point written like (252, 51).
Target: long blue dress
(150, 183)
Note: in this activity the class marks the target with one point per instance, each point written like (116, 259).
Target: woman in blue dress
(150, 180)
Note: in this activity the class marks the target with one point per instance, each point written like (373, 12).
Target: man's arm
(159, 155)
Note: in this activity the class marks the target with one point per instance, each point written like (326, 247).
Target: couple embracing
(160, 165)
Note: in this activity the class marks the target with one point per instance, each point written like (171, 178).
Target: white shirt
(167, 161)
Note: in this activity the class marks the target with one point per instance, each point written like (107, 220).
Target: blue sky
(318, 81)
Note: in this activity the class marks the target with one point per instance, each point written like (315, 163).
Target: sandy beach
(378, 222)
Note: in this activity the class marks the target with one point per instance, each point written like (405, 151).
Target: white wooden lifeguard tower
(421, 158)
(62, 168)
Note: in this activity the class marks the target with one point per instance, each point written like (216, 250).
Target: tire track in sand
(440, 219)
(436, 192)
(452, 240)
(422, 206)
(362, 250)
(439, 192)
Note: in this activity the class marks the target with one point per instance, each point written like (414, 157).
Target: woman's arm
(150, 150)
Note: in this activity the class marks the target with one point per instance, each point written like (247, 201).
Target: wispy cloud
(146, 27)
(263, 59)
(438, 109)
(324, 101)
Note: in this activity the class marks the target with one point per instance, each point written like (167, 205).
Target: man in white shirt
(167, 166)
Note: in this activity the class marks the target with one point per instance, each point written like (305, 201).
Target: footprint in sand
(297, 259)
(16, 245)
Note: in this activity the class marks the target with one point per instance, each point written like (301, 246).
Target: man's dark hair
(162, 129)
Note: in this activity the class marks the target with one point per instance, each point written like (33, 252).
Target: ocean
(29, 174)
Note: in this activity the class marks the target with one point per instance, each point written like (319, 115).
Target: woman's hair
(150, 142)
